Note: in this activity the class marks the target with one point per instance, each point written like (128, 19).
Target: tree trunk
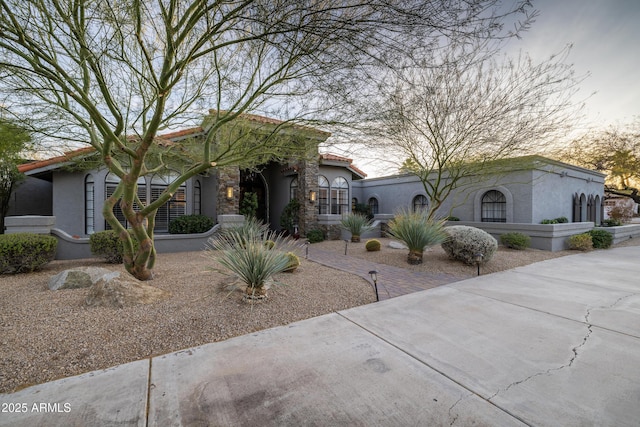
(414, 257)
(355, 238)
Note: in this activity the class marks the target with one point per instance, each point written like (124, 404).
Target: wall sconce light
(229, 192)
(374, 278)
(312, 196)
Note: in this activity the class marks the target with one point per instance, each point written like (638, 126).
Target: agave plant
(356, 224)
(253, 254)
(418, 232)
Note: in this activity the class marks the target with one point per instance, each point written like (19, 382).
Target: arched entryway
(254, 182)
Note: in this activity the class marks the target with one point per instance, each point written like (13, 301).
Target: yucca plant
(356, 224)
(247, 254)
(250, 230)
(418, 232)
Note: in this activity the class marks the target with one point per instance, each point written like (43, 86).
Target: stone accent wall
(228, 177)
(308, 171)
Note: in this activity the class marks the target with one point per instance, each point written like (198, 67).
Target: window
(197, 198)
(373, 206)
(339, 196)
(293, 189)
(420, 203)
(111, 183)
(323, 195)
(89, 206)
(494, 207)
(174, 208)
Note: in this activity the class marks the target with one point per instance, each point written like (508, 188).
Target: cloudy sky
(606, 43)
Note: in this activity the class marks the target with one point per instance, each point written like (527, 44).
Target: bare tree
(614, 151)
(114, 73)
(459, 115)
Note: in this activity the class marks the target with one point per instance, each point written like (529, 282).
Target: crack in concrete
(574, 350)
(455, 417)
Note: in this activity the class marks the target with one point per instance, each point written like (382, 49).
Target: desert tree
(614, 151)
(467, 110)
(113, 74)
(14, 144)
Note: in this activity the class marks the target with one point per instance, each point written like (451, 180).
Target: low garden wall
(547, 237)
(622, 232)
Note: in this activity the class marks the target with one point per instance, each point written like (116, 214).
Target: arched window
(494, 207)
(89, 205)
(293, 189)
(339, 196)
(174, 208)
(373, 206)
(197, 197)
(323, 195)
(420, 203)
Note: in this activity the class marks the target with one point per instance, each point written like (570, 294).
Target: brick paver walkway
(392, 281)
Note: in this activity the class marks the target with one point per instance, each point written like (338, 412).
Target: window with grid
(89, 205)
(339, 196)
(373, 206)
(420, 203)
(323, 195)
(494, 207)
(197, 198)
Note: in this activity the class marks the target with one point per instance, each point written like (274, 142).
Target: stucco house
(325, 185)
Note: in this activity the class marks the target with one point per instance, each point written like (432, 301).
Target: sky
(605, 35)
(606, 43)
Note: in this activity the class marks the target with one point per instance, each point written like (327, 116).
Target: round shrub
(515, 240)
(190, 224)
(373, 245)
(25, 252)
(107, 245)
(580, 242)
(601, 239)
(465, 242)
(294, 262)
(315, 236)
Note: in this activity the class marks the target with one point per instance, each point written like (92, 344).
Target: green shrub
(356, 224)
(562, 220)
(249, 204)
(290, 216)
(515, 240)
(465, 242)
(580, 242)
(190, 224)
(107, 245)
(611, 222)
(549, 221)
(452, 218)
(417, 231)
(315, 235)
(601, 239)
(25, 252)
(373, 245)
(294, 262)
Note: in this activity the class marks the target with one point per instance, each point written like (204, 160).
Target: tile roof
(66, 157)
(336, 158)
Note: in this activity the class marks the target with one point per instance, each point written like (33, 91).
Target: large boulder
(118, 292)
(80, 277)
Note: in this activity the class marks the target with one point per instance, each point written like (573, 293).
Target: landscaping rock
(397, 245)
(117, 292)
(81, 277)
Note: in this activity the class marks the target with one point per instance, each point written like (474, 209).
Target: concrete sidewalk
(555, 343)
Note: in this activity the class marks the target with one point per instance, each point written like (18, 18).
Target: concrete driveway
(555, 343)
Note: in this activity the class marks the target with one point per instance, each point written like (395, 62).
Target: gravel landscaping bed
(47, 335)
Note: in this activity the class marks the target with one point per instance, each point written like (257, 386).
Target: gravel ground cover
(46, 335)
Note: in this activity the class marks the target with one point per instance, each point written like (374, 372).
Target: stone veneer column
(228, 177)
(308, 171)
